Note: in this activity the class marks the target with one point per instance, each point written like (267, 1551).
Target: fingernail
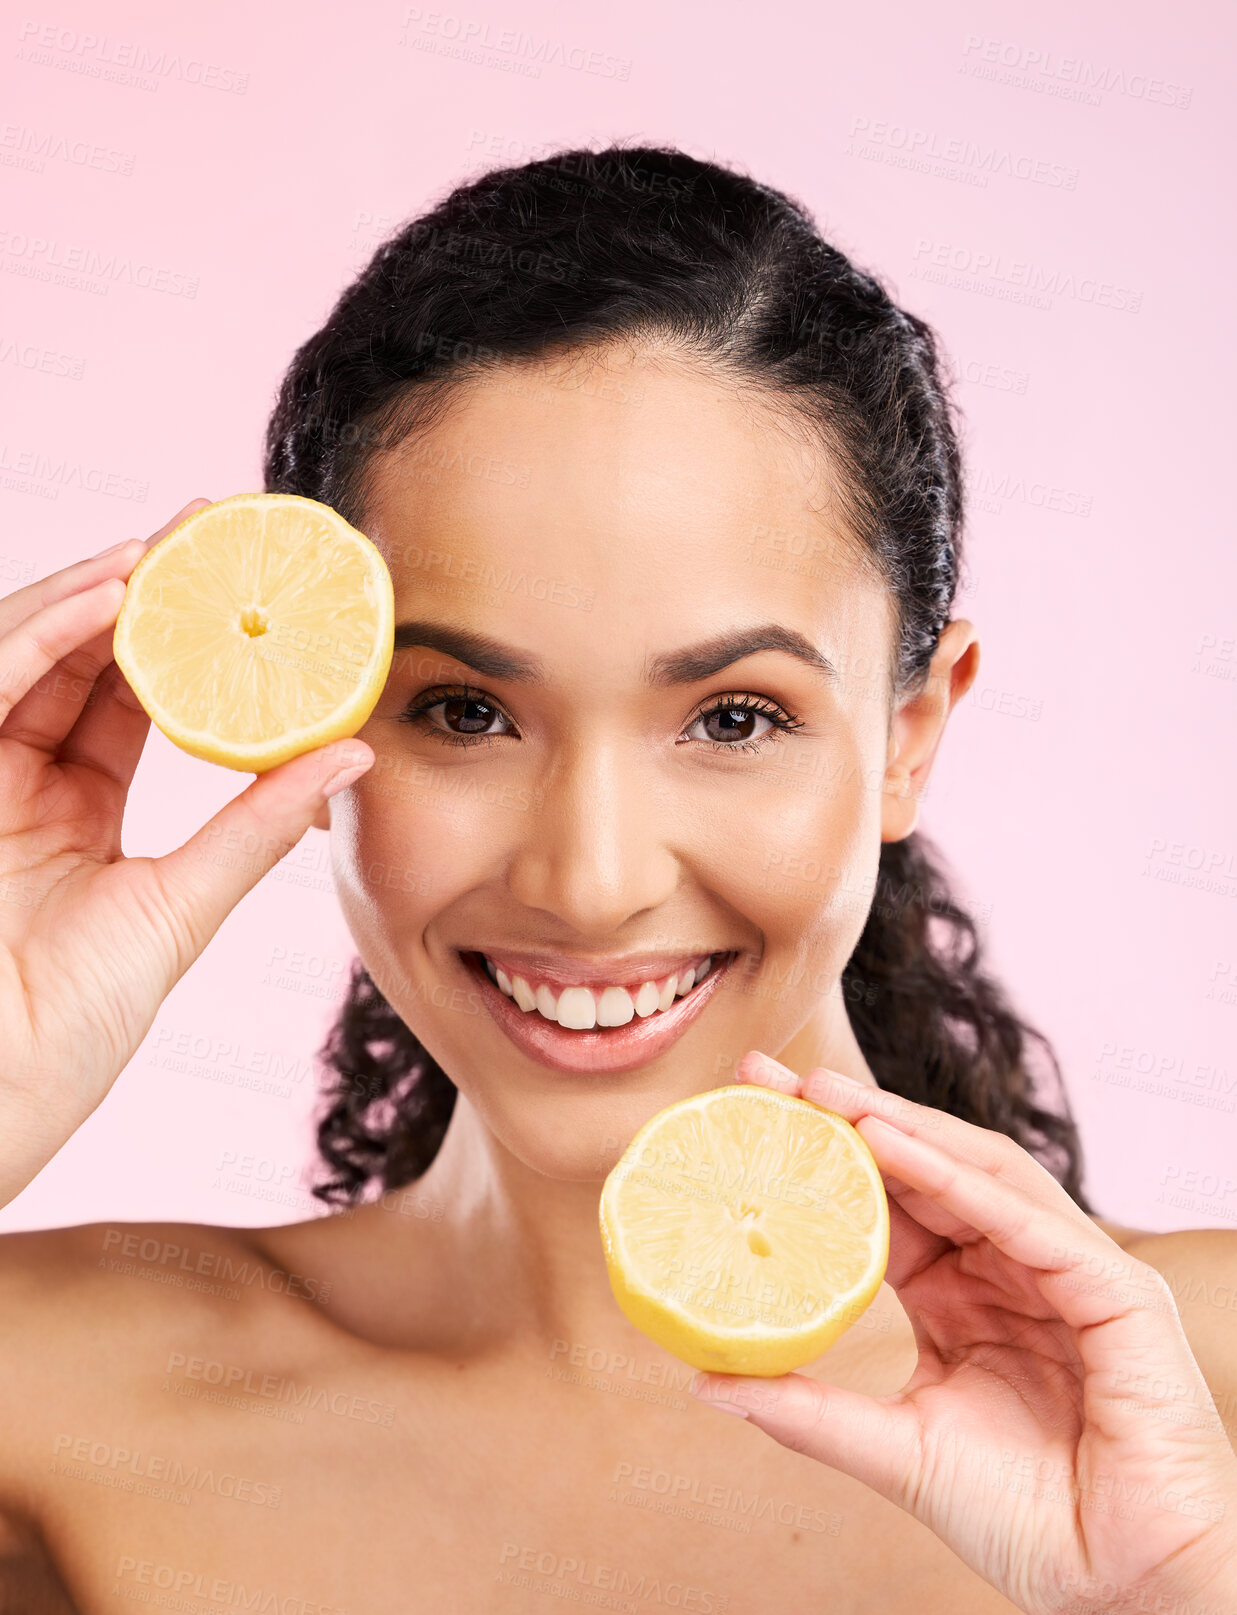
(699, 1388)
(722, 1407)
(111, 550)
(345, 776)
(838, 1076)
(765, 1064)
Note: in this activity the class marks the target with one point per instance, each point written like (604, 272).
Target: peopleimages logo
(86, 268)
(954, 156)
(471, 38)
(48, 361)
(51, 472)
(1073, 78)
(1015, 280)
(120, 61)
(23, 147)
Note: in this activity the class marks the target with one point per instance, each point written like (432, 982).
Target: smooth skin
(479, 1427)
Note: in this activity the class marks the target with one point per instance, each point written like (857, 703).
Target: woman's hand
(1026, 1438)
(91, 942)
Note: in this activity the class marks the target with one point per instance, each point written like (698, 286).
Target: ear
(322, 818)
(917, 725)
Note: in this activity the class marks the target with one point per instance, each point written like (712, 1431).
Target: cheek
(397, 860)
(810, 844)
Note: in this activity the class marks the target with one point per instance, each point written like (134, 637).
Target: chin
(578, 1137)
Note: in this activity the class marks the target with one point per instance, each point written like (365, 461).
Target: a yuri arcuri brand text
(242, 1380)
(97, 54)
(223, 1592)
(172, 1479)
(214, 1264)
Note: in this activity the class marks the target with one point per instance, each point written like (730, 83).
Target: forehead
(664, 494)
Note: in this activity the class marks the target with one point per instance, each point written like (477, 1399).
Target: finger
(203, 880)
(51, 707)
(1083, 1273)
(39, 643)
(111, 731)
(875, 1439)
(984, 1147)
(52, 704)
(112, 562)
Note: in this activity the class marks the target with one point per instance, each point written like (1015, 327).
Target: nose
(594, 851)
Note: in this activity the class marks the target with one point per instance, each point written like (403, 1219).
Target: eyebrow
(495, 660)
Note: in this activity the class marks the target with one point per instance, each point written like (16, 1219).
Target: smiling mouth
(591, 1048)
(587, 1009)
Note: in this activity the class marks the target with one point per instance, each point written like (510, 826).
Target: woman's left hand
(1057, 1433)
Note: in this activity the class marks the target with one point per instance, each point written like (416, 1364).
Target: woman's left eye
(735, 716)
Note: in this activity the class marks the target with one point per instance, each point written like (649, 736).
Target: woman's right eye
(469, 709)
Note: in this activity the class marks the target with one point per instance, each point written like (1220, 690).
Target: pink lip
(617, 1048)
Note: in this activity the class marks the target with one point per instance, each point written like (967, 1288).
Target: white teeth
(523, 994)
(580, 1009)
(614, 1008)
(577, 1008)
(647, 998)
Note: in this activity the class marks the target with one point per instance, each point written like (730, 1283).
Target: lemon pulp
(745, 1230)
(261, 627)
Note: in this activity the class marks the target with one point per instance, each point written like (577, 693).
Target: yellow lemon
(745, 1230)
(261, 627)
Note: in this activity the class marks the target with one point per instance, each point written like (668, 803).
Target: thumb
(205, 878)
(874, 1439)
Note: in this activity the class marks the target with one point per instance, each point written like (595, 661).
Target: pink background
(1046, 192)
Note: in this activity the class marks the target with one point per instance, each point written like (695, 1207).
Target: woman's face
(647, 787)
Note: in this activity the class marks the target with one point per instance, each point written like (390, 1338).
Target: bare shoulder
(88, 1275)
(1118, 1231)
(1199, 1266)
(88, 1315)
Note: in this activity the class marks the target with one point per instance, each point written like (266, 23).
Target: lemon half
(261, 627)
(745, 1230)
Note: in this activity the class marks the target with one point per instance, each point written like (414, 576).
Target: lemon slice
(745, 1230)
(261, 627)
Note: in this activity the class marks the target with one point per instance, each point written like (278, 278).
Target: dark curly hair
(634, 243)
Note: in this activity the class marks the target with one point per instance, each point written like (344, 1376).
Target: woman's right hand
(91, 942)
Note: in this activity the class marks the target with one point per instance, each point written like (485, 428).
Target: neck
(529, 1245)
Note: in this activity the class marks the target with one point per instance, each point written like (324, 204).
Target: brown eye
(465, 715)
(734, 723)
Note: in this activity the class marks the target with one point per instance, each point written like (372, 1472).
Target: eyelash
(416, 712)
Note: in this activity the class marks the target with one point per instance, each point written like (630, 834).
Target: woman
(660, 477)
